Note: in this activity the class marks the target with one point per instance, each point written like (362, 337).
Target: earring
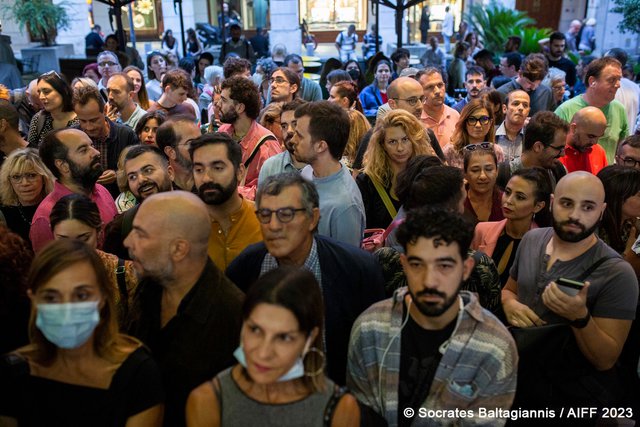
(320, 354)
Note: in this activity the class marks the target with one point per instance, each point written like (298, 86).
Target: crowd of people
(198, 245)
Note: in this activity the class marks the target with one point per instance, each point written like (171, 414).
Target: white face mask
(296, 371)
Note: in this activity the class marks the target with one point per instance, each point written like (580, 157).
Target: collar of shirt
(502, 130)
(569, 150)
(312, 263)
(235, 216)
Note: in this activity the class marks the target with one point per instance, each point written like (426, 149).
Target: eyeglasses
(413, 100)
(29, 176)
(479, 146)
(484, 120)
(628, 161)
(107, 64)
(277, 80)
(284, 215)
(394, 142)
(558, 149)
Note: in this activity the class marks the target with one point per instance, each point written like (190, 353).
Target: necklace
(24, 218)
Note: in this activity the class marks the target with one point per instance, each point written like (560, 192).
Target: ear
(468, 266)
(538, 146)
(604, 206)
(573, 127)
(240, 173)
(315, 219)
(504, 108)
(404, 261)
(293, 88)
(62, 165)
(31, 296)
(551, 202)
(539, 206)
(170, 152)
(171, 173)
(392, 103)
(312, 337)
(179, 249)
(240, 108)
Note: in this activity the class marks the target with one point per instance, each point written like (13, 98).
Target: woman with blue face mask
(279, 379)
(78, 369)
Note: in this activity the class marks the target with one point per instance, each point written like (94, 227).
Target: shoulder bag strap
(40, 125)
(591, 269)
(330, 409)
(385, 198)
(257, 148)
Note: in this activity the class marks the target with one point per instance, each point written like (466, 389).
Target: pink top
(443, 128)
(248, 143)
(41, 233)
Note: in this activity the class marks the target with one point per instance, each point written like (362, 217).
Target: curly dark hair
(438, 224)
(244, 91)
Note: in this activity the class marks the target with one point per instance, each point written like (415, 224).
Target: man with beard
(70, 156)
(239, 107)
(542, 146)
(602, 78)
(173, 138)
(532, 71)
(217, 170)
(555, 57)
(148, 172)
(284, 85)
(432, 345)
(597, 317)
(510, 133)
(436, 115)
(120, 91)
(582, 152)
(350, 279)
(285, 161)
(108, 138)
(186, 311)
(474, 81)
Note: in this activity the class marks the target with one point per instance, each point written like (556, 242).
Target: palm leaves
(494, 23)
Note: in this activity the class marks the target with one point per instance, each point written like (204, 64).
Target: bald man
(596, 317)
(186, 311)
(582, 152)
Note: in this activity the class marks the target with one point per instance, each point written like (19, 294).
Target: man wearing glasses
(108, 65)
(217, 171)
(629, 152)
(284, 85)
(350, 279)
(543, 145)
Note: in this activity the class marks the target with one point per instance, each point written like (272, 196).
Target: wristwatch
(581, 322)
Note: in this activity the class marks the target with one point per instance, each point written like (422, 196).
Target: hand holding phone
(569, 287)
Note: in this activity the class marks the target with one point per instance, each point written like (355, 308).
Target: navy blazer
(351, 282)
(371, 99)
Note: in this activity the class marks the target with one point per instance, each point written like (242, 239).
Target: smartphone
(568, 286)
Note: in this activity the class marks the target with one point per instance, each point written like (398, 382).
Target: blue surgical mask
(296, 371)
(68, 325)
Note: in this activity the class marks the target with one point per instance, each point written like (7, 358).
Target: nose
(274, 223)
(264, 350)
(96, 153)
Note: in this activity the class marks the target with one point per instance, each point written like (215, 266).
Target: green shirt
(617, 127)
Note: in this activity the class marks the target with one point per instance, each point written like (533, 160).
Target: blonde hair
(376, 160)
(121, 176)
(16, 163)
(460, 137)
(359, 126)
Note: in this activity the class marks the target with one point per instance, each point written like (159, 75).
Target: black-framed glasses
(479, 146)
(484, 120)
(284, 215)
(107, 64)
(413, 100)
(628, 161)
(558, 149)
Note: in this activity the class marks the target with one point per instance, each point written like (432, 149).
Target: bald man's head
(587, 127)
(405, 93)
(577, 206)
(169, 229)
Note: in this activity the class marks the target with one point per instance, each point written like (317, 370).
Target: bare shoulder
(347, 412)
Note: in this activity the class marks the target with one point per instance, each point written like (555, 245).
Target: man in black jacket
(288, 211)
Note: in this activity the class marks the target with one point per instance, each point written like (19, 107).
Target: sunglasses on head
(479, 146)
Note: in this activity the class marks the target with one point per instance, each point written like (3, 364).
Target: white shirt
(447, 24)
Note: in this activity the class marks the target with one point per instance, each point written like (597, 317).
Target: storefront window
(334, 14)
(147, 19)
(436, 8)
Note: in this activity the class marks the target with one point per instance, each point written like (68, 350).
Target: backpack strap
(257, 148)
(385, 198)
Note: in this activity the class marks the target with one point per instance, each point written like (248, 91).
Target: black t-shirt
(19, 219)
(419, 360)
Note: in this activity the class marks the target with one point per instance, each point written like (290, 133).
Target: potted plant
(42, 18)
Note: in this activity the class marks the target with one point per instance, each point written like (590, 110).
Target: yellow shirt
(244, 231)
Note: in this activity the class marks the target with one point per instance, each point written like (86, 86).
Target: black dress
(35, 401)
